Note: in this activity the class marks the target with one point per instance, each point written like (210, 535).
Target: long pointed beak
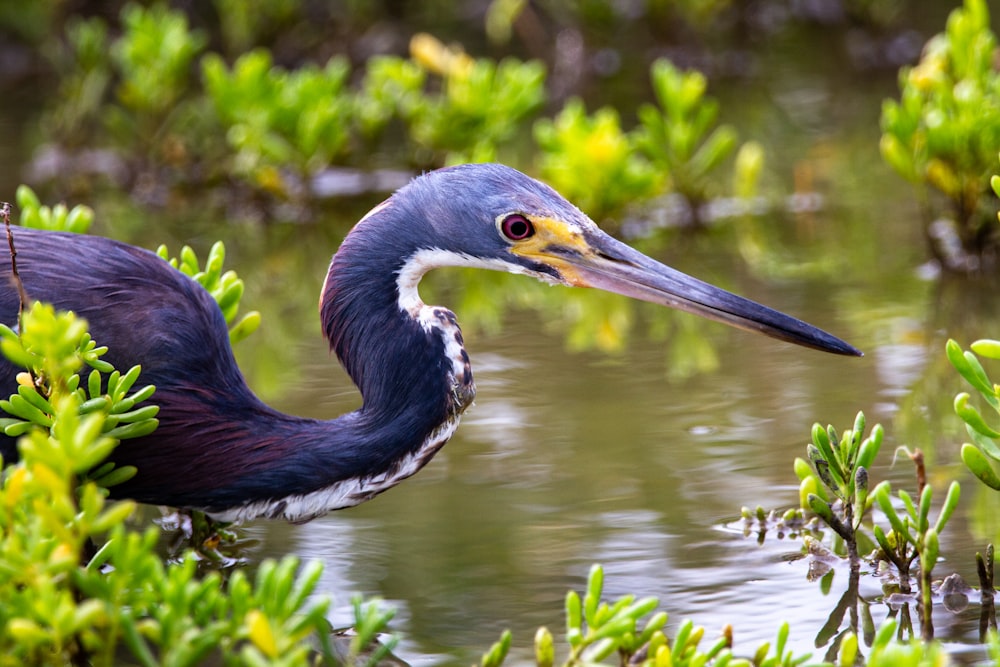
(615, 267)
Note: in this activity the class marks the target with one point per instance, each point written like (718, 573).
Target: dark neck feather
(398, 366)
(258, 455)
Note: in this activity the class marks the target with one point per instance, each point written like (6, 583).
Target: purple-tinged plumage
(219, 448)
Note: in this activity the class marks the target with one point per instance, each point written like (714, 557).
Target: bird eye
(516, 227)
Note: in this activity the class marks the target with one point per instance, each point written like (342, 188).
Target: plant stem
(926, 606)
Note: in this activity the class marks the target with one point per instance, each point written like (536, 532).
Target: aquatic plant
(598, 632)
(835, 486)
(284, 125)
(619, 632)
(154, 123)
(226, 288)
(887, 651)
(678, 148)
(392, 87)
(593, 161)
(681, 137)
(481, 106)
(943, 134)
(85, 72)
(980, 456)
(834, 483)
(912, 538)
(65, 603)
(156, 44)
(58, 218)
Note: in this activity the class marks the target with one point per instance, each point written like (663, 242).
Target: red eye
(516, 227)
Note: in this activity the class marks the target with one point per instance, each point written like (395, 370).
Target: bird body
(220, 449)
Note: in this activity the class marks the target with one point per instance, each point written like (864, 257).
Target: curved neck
(409, 365)
(406, 358)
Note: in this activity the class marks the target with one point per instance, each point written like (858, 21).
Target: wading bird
(219, 449)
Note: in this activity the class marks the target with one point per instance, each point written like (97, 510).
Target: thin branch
(21, 293)
(917, 457)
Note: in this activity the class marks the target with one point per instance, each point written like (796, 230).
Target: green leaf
(950, 502)
(930, 550)
(574, 612)
(246, 326)
(980, 466)
(986, 347)
(898, 525)
(117, 475)
(134, 430)
(820, 508)
(145, 412)
(989, 446)
(972, 417)
(498, 652)
(545, 653)
(881, 538)
(923, 521)
(968, 367)
(31, 395)
(19, 407)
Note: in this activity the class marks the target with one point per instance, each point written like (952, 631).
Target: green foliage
(981, 455)
(56, 218)
(680, 135)
(596, 629)
(226, 288)
(156, 45)
(85, 70)
(944, 130)
(623, 630)
(244, 23)
(53, 347)
(592, 161)
(913, 537)
(370, 619)
(148, 65)
(886, 651)
(393, 87)
(31, 22)
(598, 632)
(65, 604)
(278, 120)
(678, 147)
(481, 106)
(282, 127)
(154, 57)
(302, 121)
(834, 485)
(779, 657)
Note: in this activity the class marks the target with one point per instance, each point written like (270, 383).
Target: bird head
(495, 217)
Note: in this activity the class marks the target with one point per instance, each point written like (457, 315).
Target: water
(638, 459)
(570, 458)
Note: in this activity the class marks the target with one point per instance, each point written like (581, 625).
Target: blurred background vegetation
(646, 113)
(828, 157)
(161, 98)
